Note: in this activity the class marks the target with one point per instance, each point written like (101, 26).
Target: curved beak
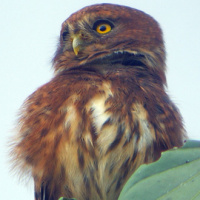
(77, 44)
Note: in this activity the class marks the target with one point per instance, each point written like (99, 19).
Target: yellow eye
(103, 28)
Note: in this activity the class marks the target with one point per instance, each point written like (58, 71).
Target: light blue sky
(29, 33)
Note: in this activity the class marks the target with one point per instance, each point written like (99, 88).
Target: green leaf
(175, 176)
(63, 198)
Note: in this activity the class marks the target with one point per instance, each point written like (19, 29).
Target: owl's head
(108, 33)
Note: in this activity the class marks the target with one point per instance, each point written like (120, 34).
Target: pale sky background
(29, 32)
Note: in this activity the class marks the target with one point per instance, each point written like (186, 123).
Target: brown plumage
(104, 113)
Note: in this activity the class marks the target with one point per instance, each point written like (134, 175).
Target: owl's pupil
(102, 28)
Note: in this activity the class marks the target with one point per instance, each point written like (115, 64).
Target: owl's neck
(123, 74)
(120, 63)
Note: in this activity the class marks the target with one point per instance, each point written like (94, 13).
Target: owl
(104, 113)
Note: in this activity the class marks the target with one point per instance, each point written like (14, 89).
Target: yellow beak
(76, 44)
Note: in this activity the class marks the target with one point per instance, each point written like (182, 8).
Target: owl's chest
(116, 122)
(122, 135)
(113, 137)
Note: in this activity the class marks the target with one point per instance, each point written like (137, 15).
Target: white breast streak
(99, 108)
(147, 132)
(99, 113)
